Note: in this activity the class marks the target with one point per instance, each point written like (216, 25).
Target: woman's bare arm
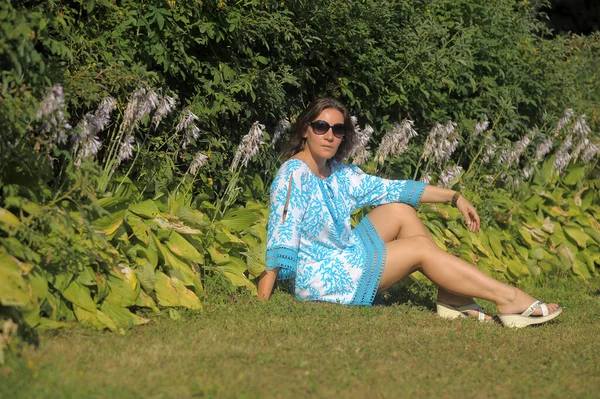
(439, 194)
(265, 284)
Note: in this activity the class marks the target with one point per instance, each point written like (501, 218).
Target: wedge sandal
(526, 319)
(454, 312)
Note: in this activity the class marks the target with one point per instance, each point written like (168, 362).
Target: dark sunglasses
(321, 127)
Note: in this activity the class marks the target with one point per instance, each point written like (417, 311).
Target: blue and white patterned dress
(311, 239)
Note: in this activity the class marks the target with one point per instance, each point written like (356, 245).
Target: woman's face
(324, 146)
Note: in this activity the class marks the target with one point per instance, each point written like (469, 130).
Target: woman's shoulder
(295, 167)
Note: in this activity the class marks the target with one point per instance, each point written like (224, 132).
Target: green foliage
(93, 239)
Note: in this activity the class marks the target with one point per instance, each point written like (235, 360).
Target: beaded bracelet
(455, 198)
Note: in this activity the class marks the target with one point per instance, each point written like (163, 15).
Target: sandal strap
(472, 306)
(533, 307)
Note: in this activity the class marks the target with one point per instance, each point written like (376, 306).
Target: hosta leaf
(567, 255)
(237, 219)
(588, 261)
(28, 206)
(106, 321)
(87, 276)
(533, 202)
(139, 228)
(49, 324)
(145, 274)
(235, 273)
(572, 209)
(225, 237)
(80, 295)
(87, 317)
(558, 237)
(587, 200)
(547, 225)
(592, 233)
(110, 223)
(526, 235)
(39, 284)
(187, 298)
(593, 222)
(517, 269)
(577, 235)
(166, 294)
(122, 316)
(173, 292)
(147, 253)
(187, 270)
(14, 290)
(102, 287)
(255, 259)
(574, 175)
(536, 234)
(556, 211)
(192, 216)
(217, 256)
(582, 220)
(495, 242)
(259, 231)
(250, 240)
(537, 253)
(121, 292)
(110, 202)
(182, 248)
(580, 268)
(147, 209)
(146, 301)
(7, 218)
(478, 244)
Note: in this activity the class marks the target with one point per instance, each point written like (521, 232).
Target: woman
(310, 238)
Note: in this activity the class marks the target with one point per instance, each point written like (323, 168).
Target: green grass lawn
(284, 348)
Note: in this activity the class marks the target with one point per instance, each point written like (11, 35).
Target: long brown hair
(314, 109)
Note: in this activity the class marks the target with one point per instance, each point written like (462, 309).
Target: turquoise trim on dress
(285, 259)
(375, 256)
(417, 189)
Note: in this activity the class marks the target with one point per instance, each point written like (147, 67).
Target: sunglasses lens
(320, 127)
(339, 130)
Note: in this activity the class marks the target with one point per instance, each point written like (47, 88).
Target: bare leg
(410, 247)
(397, 221)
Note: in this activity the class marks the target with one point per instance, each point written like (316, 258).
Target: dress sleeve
(287, 207)
(368, 190)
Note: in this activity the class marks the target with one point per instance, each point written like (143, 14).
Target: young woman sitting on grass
(311, 241)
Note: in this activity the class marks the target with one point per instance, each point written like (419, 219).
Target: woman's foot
(520, 302)
(456, 301)
(454, 312)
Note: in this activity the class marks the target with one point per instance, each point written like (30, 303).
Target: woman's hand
(469, 213)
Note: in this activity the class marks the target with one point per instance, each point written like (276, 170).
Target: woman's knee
(425, 246)
(398, 209)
